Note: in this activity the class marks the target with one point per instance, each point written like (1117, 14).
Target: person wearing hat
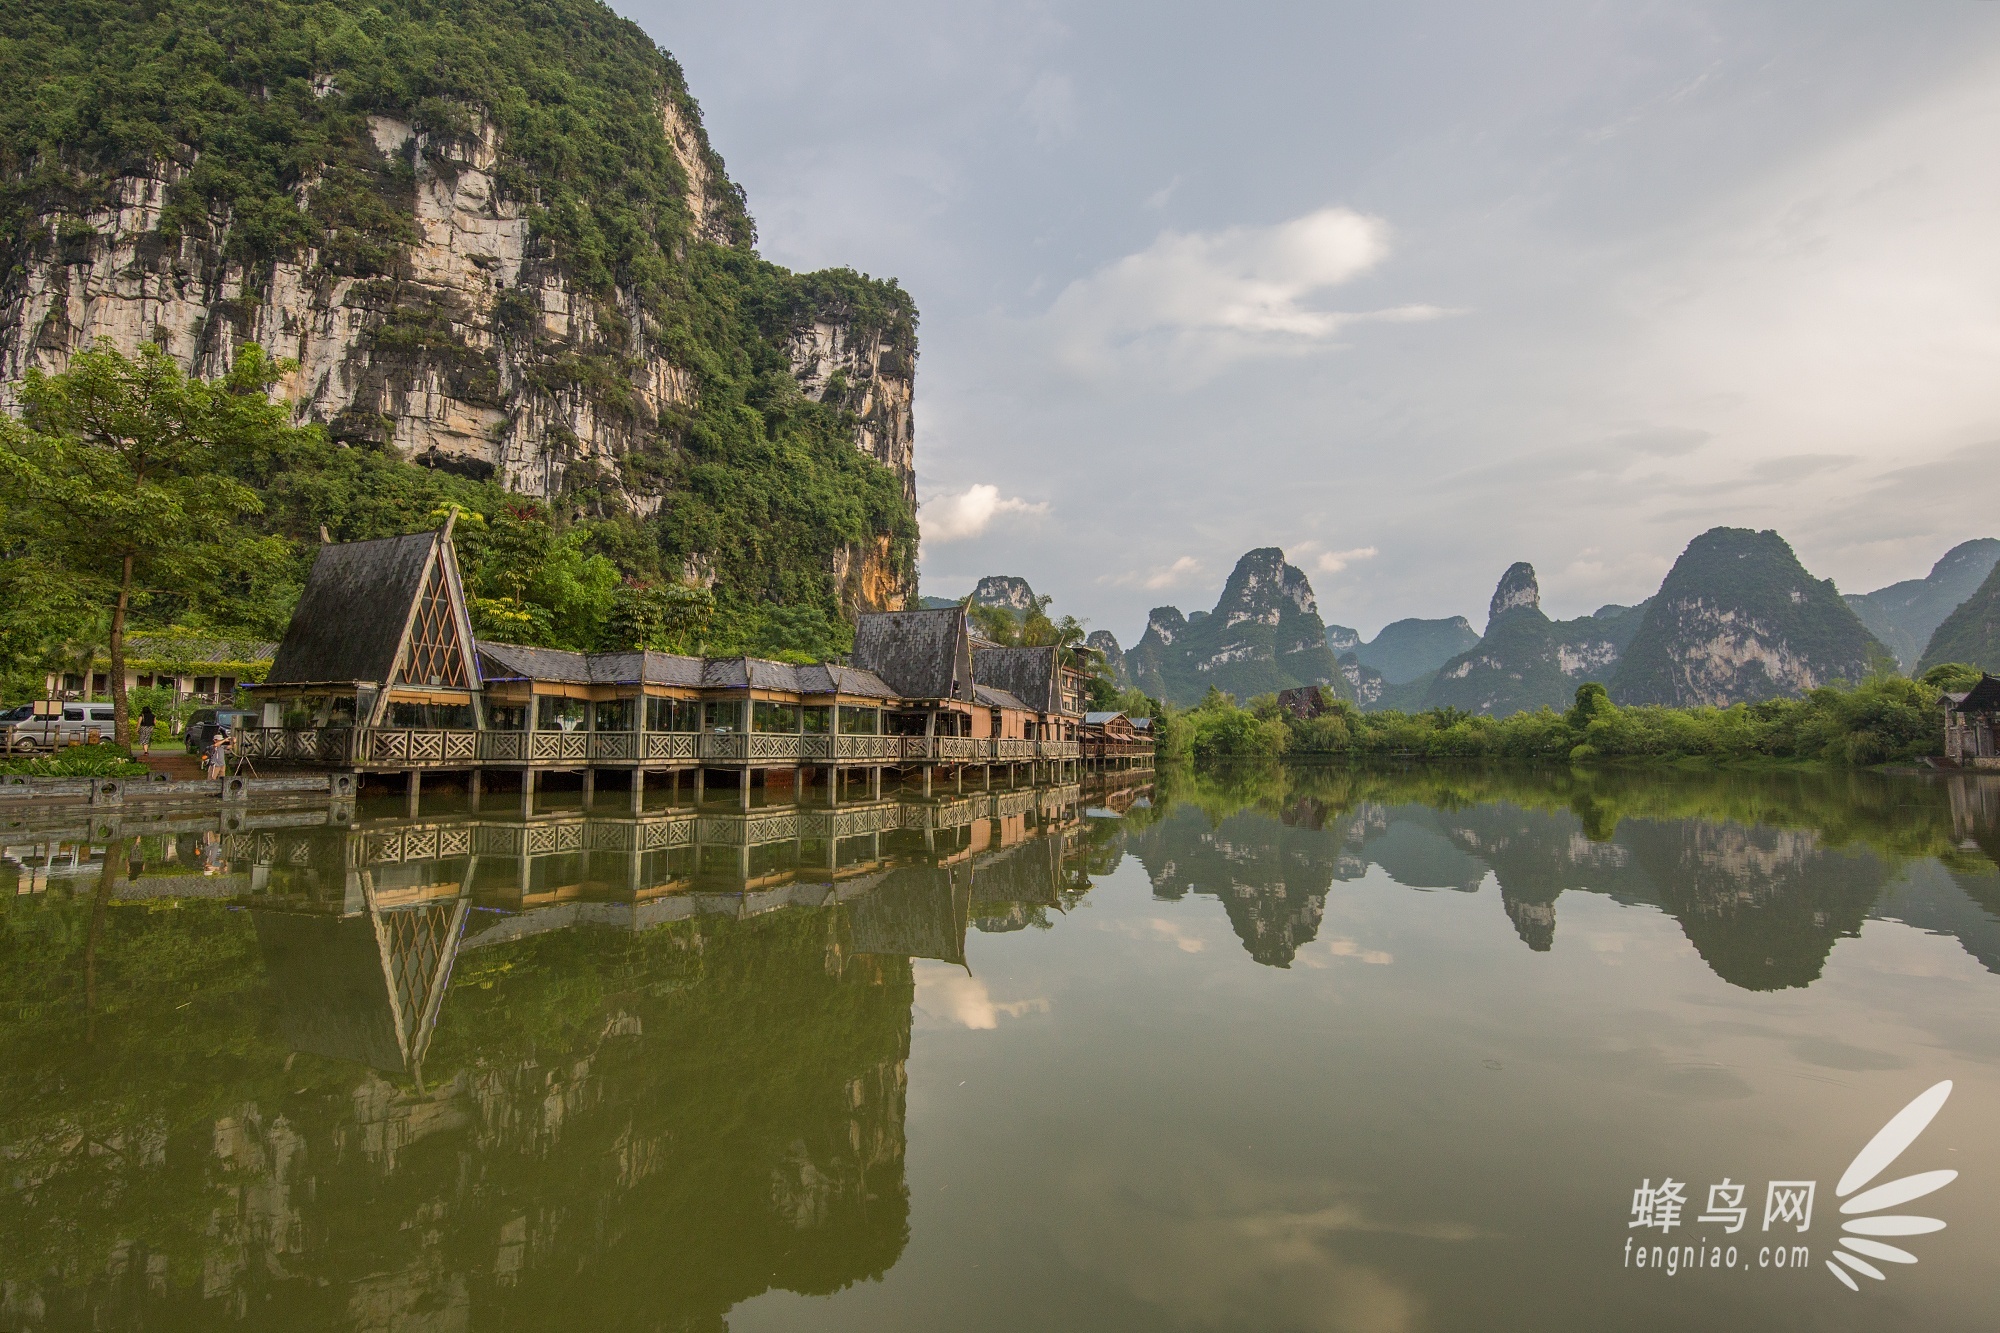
(218, 753)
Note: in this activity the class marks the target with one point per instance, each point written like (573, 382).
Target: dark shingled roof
(995, 698)
(510, 661)
(349, 621)
(1027, 673)
(919, 654)
(1983, 697)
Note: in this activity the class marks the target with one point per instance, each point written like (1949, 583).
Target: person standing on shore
(218, 753)
(146, 724)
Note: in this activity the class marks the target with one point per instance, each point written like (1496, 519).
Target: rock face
(1971, 633)
(1104, 641)
(1525, 660)
(1905, 615)
(1004, 590)
(1737, 620)
(1408, 649)
(1265, 634)
(440, 322)
(1340, 639)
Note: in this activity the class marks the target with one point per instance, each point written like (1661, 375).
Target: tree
(120, 479)
(672, 618)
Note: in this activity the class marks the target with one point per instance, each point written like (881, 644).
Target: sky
(1413, 291)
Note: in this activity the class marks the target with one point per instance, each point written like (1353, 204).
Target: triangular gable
(418, 945)
(437, 648)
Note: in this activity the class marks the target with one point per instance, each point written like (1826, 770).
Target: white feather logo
(1856, 1246)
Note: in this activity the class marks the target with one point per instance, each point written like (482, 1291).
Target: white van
(75, 723)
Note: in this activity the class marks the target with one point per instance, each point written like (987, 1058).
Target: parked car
(76, 723)
(202, 724)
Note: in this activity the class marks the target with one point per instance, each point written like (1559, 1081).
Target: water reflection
(329, 1068)
(339, 1071)
(1763, 872)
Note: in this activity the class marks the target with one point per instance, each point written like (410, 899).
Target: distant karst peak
(1517, 590)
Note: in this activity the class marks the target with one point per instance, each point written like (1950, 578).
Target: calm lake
(1306, 1049)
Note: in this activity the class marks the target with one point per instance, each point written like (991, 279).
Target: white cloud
(950, 518)
(1332, 562)
(951, 995)
(1178, 572)
(1204, 297)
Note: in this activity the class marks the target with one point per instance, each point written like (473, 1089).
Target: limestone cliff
(1738, 619)
(1265, 634)
(1525, 660)
(451, 283)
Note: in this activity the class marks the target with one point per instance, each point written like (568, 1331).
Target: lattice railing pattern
(669, 745)
(503, 746)
(559, 745)
(613, 746)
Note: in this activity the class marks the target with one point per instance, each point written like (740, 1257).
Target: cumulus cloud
(950, 995)
(1207, 297)
(1332, 562)
(950, 518)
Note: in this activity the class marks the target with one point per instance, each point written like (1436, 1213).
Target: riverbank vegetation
(1890, 719)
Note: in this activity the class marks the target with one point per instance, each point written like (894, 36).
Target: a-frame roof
(919, 654)
(358, 608)
(1027, 673)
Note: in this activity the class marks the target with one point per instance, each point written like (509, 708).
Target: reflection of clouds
(1216, 1243)
(1160, 928)
(950, 995)
(1342, 947)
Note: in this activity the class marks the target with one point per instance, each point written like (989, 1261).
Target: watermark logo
(1856, 1245)
(1788, 1204)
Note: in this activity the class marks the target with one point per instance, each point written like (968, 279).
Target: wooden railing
(419, 747)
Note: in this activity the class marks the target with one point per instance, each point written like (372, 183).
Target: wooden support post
(473, 788)
(413, 789)
(527, 792)
(700, 784)
(589, 786)
(927, 779)
(743, 790)
(799, 785)
(638, 791)
(833, 786)
(958, 778)
(988, 777)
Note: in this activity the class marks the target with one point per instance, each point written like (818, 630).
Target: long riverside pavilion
(379, 673)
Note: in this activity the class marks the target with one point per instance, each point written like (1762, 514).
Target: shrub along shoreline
(1890, 719)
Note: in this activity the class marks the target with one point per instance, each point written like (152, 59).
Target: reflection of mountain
(1272, 878)
(1762, 904)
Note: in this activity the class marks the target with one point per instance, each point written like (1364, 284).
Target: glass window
(443, 717)
(724, 716)
(506, 717)
(72, 715)
(856, 721)
(102, 715)
(673, 715)
(554, 714)
(814, 721)
(615, 714)
(775, 717)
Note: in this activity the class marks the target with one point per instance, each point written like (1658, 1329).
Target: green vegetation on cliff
(254, 106)
(1970, 634)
